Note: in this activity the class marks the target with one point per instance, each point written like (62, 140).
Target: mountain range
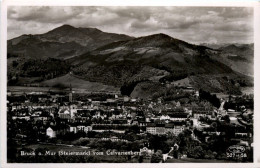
(62, 42)
(118, 60)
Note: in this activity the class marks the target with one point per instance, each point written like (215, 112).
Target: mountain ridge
(83, 37)
(119, 60)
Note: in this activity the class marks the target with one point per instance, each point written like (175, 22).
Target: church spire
(70, 94)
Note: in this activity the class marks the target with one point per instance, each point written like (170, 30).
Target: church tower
(70, 100)
(70, 95)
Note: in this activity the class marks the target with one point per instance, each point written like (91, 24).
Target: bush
(157, 157)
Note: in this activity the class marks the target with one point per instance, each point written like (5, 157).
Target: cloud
(192, 24)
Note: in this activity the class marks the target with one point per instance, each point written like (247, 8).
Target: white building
(81, 128)
(51, 132)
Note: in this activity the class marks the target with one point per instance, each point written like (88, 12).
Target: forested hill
(122, 61)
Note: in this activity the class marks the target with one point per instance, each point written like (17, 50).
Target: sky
(192, 24)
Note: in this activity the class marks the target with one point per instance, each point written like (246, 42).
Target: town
(194, 124)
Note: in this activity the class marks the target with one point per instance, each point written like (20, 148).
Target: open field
(78, 83)
(63, 83)
(247, 90)
(30, 89)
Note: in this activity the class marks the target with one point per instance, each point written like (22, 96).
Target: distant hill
(30, 46)
(62, 42)
(87, 37)
(125, 62)
(240, 57)
(245, 51)
(158, 51)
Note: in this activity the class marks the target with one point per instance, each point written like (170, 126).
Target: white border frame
(3, 77)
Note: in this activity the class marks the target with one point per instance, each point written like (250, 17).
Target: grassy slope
(75, 82)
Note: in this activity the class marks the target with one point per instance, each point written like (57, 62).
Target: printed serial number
(238, 155)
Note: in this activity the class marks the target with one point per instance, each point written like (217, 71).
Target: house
(142, 123)
(80, 128)
(178, 104)
(146, 151)
(51, 132)
(73, 129)
(114, 138)
(201, 113)
(178, 127)
(64, 114)
(169, 128)
(84, 128)
(189, 89)
(153, 128)
(126, 99)
(159, 128)
(177, 116)
(197, 93)
(243, 143)
(27, 118)
(165, 117)
(135, 122)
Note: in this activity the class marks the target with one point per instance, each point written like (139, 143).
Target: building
(70, 95)
(64, 114)
(151, 128)
(177, 116)
(84, 128)
(169, 128)
(197, 113)
(175, 128)
(145, 151)
(80, 128)
(51, 132)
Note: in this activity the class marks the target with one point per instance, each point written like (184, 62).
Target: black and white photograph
(130, 84)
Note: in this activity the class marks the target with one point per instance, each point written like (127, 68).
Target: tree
(198, 152)
(134, 128)
(15, 63)
(211, 98)
(157, 142)
(157, 157)
(140, 159)
(11, 149)
(128, 87)
(226, 118)
(214, 125)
